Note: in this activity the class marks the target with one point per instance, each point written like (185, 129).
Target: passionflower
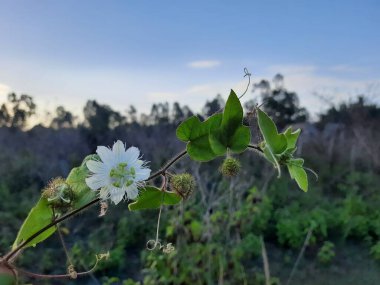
(119, 173)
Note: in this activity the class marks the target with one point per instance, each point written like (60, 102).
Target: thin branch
(305, 244)
(63, 244)
(265, 261)
(255, 147)
(167, 165)
(51, 276)
(52, 224)
(64, 217)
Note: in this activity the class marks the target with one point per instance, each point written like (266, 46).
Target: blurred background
(78, 74)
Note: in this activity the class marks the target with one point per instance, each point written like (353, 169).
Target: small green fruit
(230, 167)
(183, 184)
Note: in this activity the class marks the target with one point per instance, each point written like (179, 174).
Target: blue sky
(140, 52)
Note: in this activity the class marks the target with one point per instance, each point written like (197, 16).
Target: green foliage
(297, 172)
(211, 138)
(279, 149)
(354, 217)
(39, 216)
(293, 223)
(196, 133)
(231, 134)
(275, 142)
(152, 197)
(375, 251)
(326, 253)
(77, 181)
(6, 279)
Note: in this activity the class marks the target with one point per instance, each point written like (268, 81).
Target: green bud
(183, 184)
(230, 167)
(58, 193)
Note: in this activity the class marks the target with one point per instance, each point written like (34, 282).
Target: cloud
(162, 96)
(201, 89)
(311, 82)
(202, 64)
(292, 69)
(345, 68)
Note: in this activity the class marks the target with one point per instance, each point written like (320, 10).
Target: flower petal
(118, 151)
(105, 155)
(132, 192)
(96, 181)
(116, 194)
(132, 154)
(96, 167)
(142, 174)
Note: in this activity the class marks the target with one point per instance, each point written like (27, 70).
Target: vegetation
(220, 232)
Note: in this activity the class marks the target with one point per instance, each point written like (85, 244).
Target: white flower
(118, 173)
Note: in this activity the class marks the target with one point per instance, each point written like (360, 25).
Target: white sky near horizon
(137, 53)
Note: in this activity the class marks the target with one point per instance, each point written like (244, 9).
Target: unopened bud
(183, 184)
(58, 193)
(230, 167)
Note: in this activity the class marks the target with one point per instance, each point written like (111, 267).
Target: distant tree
(62, 119)
(16, 111)
(351, 130)
(159, 113)
(281, 104)
(132, 114)
(101, 118)
(213, 106)
(179, 113)
(354, 113)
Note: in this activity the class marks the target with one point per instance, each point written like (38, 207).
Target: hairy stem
(255, 147)
(162, 171)
(167, 165)
(52, 224)
(50, 276)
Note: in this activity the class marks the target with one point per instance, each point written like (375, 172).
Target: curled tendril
(102, 256)
(154, 244)
(246, 73)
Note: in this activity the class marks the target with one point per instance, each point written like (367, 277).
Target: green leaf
(77, 181)
(185, 129)
(211, 138)
(232, 115)
(84, 198)
(6, 279)
(7, 276)
(297, 172)
(240, 139)
(291, 137)
(231, 134)
(196, 133)
(277, 142)
(152, 197)
(39, 216)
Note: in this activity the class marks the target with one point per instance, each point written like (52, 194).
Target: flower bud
(58, 193)
(230, 167)
(183, 184)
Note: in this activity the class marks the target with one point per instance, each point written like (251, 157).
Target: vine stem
(255, 147)
(52, 224)
(51, 276)
(9, 255)
(167, 165)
